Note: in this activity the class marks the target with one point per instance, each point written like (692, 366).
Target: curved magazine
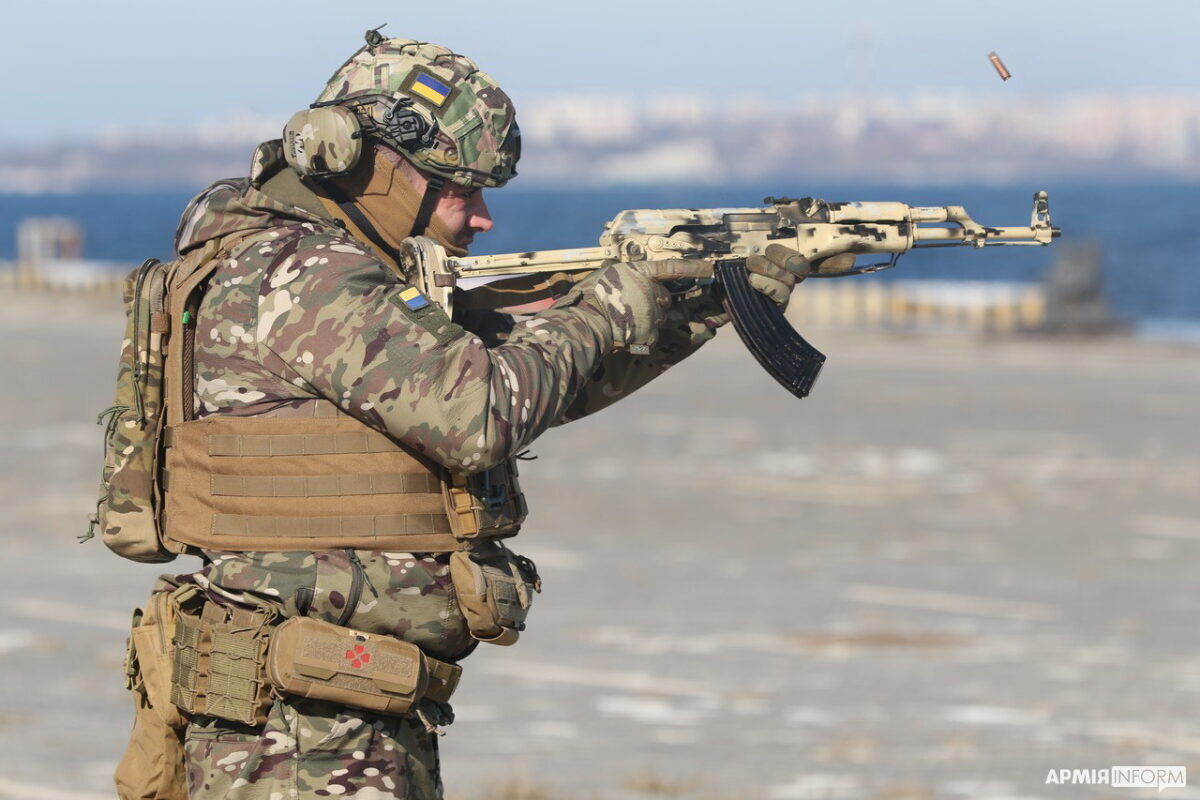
(783, 352)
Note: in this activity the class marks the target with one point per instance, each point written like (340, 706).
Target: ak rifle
(830, 235)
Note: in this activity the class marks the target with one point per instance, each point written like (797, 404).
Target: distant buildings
(605, 139)
(923, 138)
(50, 255)
(42, 239)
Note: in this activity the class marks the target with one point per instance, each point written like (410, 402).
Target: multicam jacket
(302, 310)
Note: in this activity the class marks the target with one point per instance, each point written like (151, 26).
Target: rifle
(829, 235)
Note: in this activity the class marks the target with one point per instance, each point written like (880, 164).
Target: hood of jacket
(247, 204)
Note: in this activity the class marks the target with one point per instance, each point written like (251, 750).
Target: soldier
(365, 473)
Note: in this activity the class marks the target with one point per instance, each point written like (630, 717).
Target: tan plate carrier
(325, 481)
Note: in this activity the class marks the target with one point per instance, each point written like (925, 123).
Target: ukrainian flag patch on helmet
(430, 89)
(414, 299)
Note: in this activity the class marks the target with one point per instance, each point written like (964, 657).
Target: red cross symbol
(358, 656)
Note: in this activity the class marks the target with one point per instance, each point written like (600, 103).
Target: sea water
(1149, 234)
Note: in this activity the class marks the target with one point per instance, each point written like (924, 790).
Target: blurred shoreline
(1146, 233)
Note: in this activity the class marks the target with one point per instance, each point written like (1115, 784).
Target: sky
(74, 69)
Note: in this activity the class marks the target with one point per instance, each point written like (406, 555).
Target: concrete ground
(957, 566)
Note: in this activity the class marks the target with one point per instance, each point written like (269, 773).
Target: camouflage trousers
(310, 749)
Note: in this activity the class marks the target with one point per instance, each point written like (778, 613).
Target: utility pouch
(152, 765)
(324, 661)
(495, 589)
(152, 645)
(486, 504)
(217, 669)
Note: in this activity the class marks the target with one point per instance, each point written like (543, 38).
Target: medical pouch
(312, 658)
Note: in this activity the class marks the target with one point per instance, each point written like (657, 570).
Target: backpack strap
(185, 291)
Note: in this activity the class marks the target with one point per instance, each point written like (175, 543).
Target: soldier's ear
(322, 141)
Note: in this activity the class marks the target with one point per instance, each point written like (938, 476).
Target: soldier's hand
(633, 298)
(776, 272)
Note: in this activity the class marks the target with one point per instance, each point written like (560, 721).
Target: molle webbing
(300, 444)
(266, 483)
(217, 665)
(323, 485)
(374, 528)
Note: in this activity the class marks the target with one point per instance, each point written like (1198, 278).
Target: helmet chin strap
(433, 190)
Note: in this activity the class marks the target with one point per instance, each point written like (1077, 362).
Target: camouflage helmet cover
(470, 124)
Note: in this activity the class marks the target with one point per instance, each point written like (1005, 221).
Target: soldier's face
(464, 213)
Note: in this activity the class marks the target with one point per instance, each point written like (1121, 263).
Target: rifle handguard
(830, 235)
(783, 352)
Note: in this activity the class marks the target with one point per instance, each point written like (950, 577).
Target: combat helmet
(432, 105)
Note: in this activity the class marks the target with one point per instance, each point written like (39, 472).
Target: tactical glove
(633, 299)
(776, 272)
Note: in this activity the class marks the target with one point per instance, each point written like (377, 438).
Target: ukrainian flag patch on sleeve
(430, 89)
(413, 298)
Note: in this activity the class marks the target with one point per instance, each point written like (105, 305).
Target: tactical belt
(230, 662)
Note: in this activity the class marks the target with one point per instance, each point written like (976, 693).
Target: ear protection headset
(326, 140)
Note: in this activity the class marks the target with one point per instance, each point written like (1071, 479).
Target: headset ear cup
(323, 141)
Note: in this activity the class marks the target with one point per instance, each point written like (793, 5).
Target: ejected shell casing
(1001, 70)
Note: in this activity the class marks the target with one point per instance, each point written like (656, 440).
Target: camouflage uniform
(302, 310)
